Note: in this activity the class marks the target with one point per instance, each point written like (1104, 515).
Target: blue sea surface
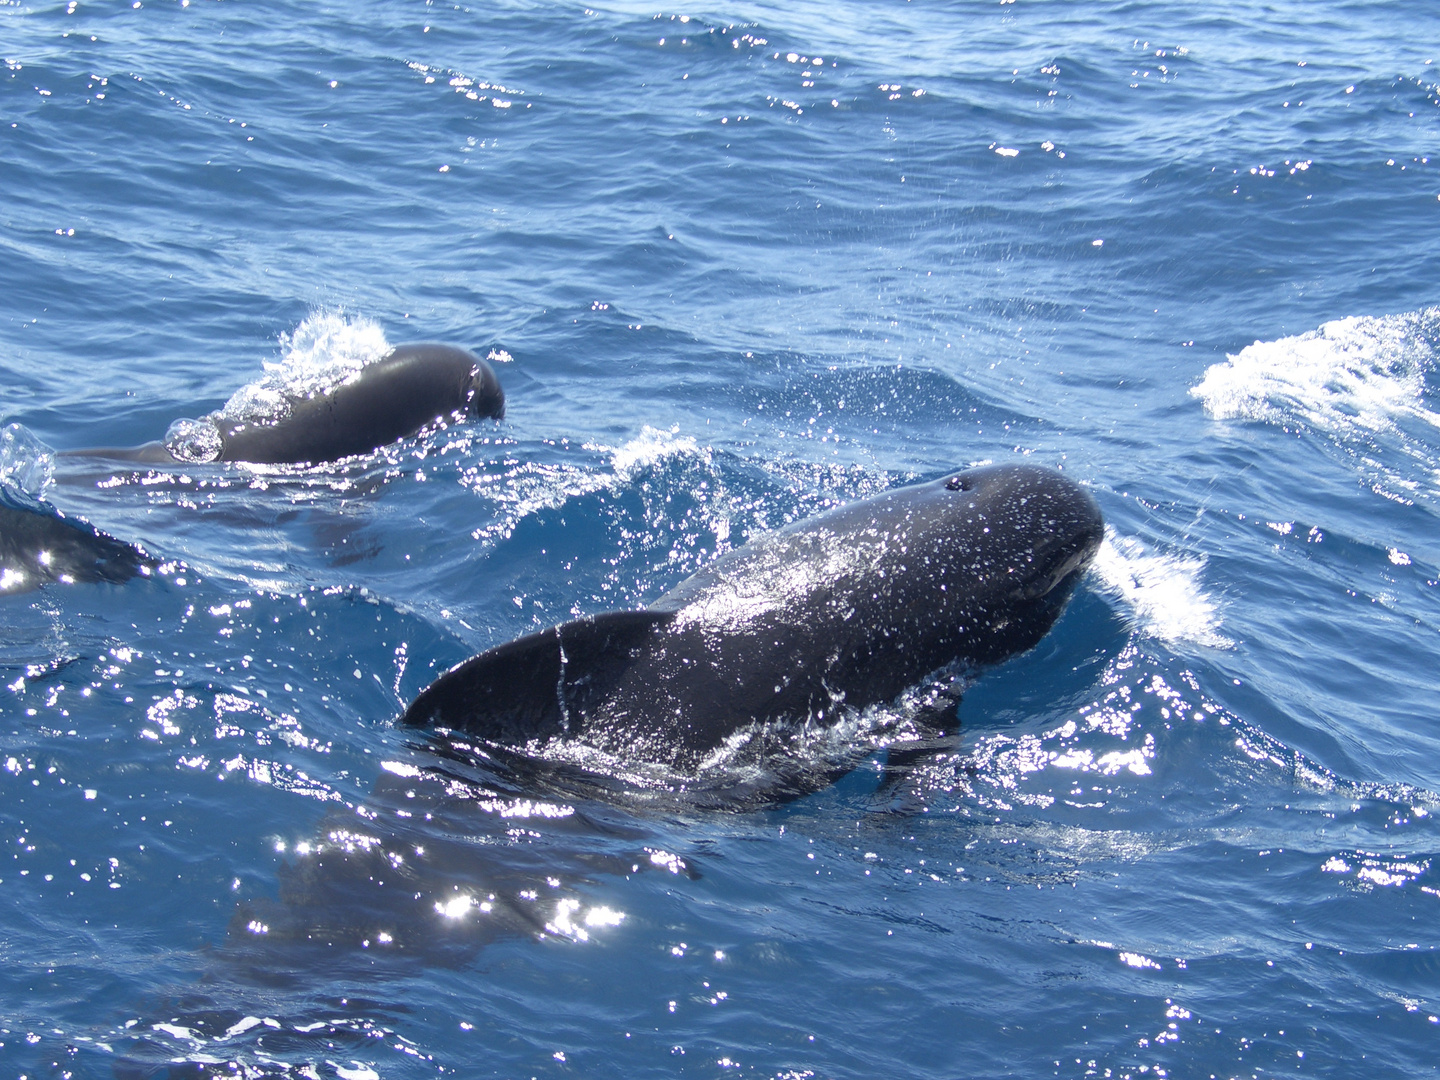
(734, 263)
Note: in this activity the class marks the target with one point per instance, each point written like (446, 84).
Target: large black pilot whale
(836, 612)
(393, 398)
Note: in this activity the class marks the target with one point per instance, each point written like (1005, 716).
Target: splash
(26, 464)
(325, 351)
(1163, 592)
(193, 440)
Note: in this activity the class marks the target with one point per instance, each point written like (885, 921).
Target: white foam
(1359, 372)
(1359, 380)
(650, 448)
(324, 351)
(1163, 592)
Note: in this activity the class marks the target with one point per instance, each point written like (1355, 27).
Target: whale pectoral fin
(938, 722)
(525, 689)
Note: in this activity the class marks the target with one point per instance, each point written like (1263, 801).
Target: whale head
(1020, 536)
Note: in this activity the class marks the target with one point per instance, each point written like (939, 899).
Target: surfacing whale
(395, 397)
(838, 612)
(39, 546)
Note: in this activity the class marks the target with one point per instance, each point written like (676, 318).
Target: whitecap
(1358, 372)
(1360, 381)
(652, 447)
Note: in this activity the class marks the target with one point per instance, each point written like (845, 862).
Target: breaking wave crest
(522, 489)
(1364, 382)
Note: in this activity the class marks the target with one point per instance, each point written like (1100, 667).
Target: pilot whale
(393, 398)
(840, 611)
(39, 546)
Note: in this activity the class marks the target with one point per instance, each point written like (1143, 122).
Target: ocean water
(735, 263)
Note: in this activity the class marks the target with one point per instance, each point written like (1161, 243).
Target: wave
(521, 489)
(1361, 381)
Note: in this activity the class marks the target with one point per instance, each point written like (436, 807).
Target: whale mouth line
(1061, 575)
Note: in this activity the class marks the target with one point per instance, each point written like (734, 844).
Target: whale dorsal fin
(519, 691)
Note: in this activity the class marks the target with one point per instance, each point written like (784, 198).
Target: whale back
(38, 545)
(412, 387)
(854, 606)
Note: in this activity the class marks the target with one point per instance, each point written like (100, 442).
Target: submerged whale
(393, 398)
(39, 545)
(836, 612)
